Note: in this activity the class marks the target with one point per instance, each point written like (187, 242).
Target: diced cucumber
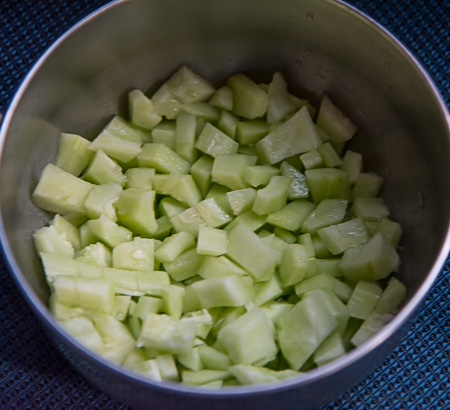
(352, 164)
(249, 338)
(295, 136)
(249, 251)
(367, 184)
(102, 169)
(141, 110)
(213, 359)
(170, 207)
(184, 266)
(222, 99)
(174, 246)
(391, 297)
(334, 122)
(250, 132)
(119, 140)
(213, 142)
(227, 123)
(327, 212)
(364, 298)
(191, 360)
(167, 367)
(345, 235)
(312, 159)
(61, 192)
(135, 255)
(306, 240)
(48, 240)
(249, 100)
(324, 281)
(163, 159)
(280, 103)
(219, 266)
(296, 265)
(370, 209)
(186, 125)
(166, 334)
(332, 348)
(203, 377)
(222, 291)
(372, 325)
(260, 175)
(164, 133)
(140, 178)
(268, 291)
(229, 170)
(189, 220)
(108, 231)
(212, 241)
(73, 154)
(327, 183)
(83, 330)
(212, 213)
(135, 210)
(302, 329)
(96, 254)
(201, 171)
(298, 189)
(391, 230)
(329, 155)
(292, 216)
(273, 197)
(374, 260)
(241, 200)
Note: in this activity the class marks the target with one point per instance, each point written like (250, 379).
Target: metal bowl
(319, 45)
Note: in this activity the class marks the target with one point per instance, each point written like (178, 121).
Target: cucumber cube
(342, 236)
(298, 189)
(211, 241)
(312, 159)
(248, 250)
(183, 189)
(280, 103)
(185, 266)
(334, 122)
(108, 231)
(83, 330)
(48, 240)
(202, 110)
(229, 170)
(241, 200)
(172, 300)
(201, 171)
(392, 296)
(219, 193)
(101, 200)
(296, 265)
(227, 123)
(222, 291)
(189, 220)
(374, 260)
(324, 281)
(249, 100)
(188, 86)
(135, 210)
(268, 291)
(204, 377)
(212, 213)
(329, 155)
(135, 255)
(73, 154)
(249, 338)
(213, 142)
(332, 348)
(327, 183)
(295, 136)
(191, 360)
(292, 216)
(174, 246)
(371, 326)
(163, 159)
(164, 133)
(170, 207)
(119, 140)
(370, 209)
(147, 304)
(250, 132)
(141, 110)
(222, 99)
(352, 165)
(140, 178)
(102, 169)
(213, 359)
(260, 175)
(364, 299)
(273, 197)
(249, 219)
(391, 230)
(61, 192)
(303, 329)
(186, 125)
(213, 266)
(167, 334)
(328, 212)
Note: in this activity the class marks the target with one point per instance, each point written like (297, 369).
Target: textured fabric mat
(33, 374)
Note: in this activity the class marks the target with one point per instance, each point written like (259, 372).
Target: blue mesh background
(34, 375)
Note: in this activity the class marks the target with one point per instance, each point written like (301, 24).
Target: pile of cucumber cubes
(218, 237)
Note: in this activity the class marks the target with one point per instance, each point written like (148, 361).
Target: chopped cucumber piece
(212, 241)
(101, 200)
(140, 178)
(327, 183)
(363, 299)
(324, 281)
(229, 170)
(328, 212)
(273, 197)
(367, 184)
(213, 142)
(241, 200)
(73, 153)
(164, 133)
(292, 216)
(201, 171)
(163, 159)
(298, 189)
(135, 255)
(250, 132)
(260, 175)
(102, 169)
(141, 110)
(174, 246)
(222, 99)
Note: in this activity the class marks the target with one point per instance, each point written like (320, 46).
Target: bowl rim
(303, 380)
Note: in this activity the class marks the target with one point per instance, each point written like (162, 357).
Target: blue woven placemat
(33, 374)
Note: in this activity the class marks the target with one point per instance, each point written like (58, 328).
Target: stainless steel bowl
(320, 45)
